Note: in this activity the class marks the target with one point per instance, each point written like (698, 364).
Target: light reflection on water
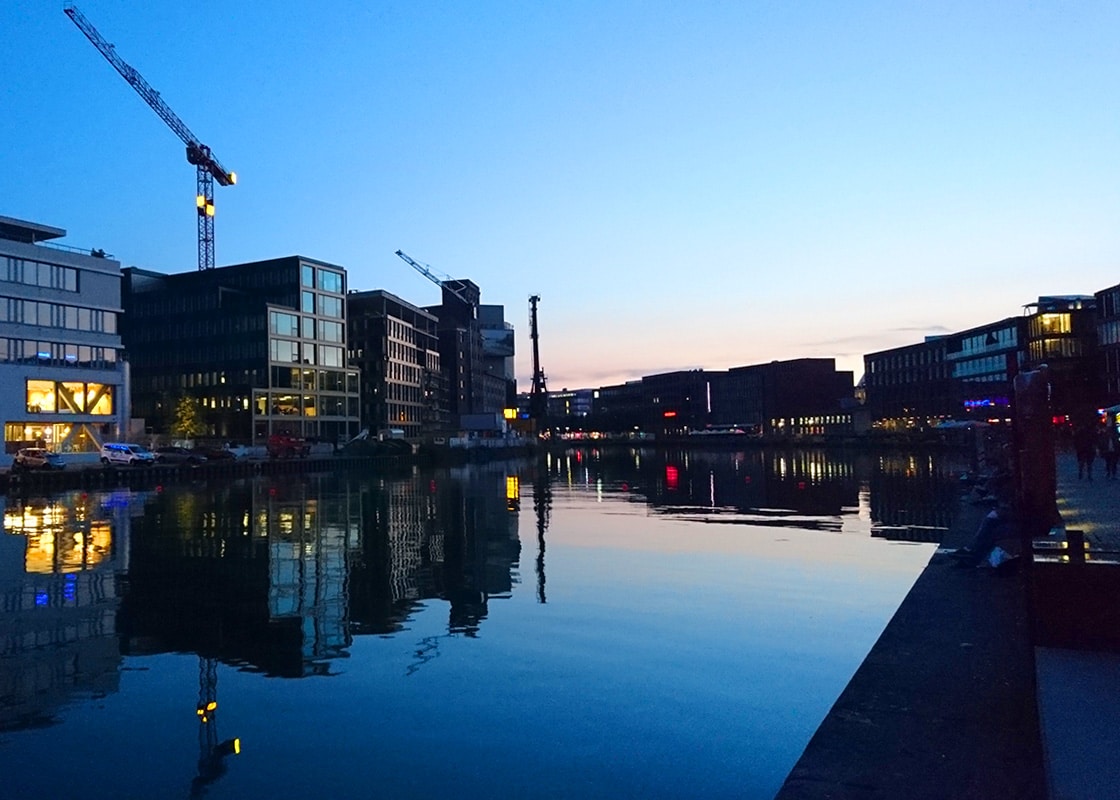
(600, 624)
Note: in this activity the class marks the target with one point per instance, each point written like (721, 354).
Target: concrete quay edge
(945, 704)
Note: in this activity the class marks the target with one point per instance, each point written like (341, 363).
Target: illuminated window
(40, 397)
(99, 399)
(71, 397)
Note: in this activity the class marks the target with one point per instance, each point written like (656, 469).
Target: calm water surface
(623, 624)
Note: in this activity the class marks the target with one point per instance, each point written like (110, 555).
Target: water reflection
(298, 576)
(280, 575)
(813, 489)
(59, 562)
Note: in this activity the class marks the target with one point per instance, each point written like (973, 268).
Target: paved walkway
(944, 704)
(965, 695)
(1079, 689)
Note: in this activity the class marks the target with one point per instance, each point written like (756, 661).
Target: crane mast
(538, 394)
(208, 168)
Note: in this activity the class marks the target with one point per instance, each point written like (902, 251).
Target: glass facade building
(260, 346)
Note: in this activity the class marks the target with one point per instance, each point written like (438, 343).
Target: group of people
(1092, 439)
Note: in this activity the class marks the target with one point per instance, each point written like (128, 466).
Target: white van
(124, 453)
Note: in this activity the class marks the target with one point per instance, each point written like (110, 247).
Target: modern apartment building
(969, 374)
(794, 398)
(1108, 343)
(460, 347)
(65, 383)
(499, 374)
(395, 347)
(1062, 334)
(261, 346)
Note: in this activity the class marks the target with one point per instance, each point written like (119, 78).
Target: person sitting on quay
(998, 524)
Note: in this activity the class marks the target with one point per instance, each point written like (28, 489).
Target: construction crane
(212, 753)
(538, 394)
(198, 154)
(444, 282)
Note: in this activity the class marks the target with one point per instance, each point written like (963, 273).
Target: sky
(699, 184)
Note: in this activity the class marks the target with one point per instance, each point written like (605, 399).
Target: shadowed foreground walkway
(944, 704)
(967, 694)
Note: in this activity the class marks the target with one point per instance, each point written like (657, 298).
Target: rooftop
(18, 230)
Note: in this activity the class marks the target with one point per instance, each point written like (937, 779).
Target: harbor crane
(538, 393)
(208, 168)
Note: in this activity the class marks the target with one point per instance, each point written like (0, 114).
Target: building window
(69, 397)
(283, 324)
(330, 356)
(330, 331)
(40, 397)
(307, 276)
(330, 306)
(307, 302)
(285, 351)
(330, 281)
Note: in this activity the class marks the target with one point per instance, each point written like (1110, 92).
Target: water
(608, 624)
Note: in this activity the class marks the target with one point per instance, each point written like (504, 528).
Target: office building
(261, 346)
(395, 347)
(60, 364)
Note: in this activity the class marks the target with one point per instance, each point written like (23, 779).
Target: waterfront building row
(966, 375)
(806, 397)
(102, 353)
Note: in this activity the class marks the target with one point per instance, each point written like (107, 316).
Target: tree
(188, 419)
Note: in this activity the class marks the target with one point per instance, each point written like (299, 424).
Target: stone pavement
(1079, 681)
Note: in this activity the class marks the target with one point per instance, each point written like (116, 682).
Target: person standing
(1109, 447)
(1085, 445)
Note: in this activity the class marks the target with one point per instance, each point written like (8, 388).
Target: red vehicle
(285, 445)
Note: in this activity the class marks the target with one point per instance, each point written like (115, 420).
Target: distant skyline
(709, 184)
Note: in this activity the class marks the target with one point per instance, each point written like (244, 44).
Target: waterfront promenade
(964, 697)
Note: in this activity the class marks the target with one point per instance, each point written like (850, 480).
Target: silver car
(37, 458)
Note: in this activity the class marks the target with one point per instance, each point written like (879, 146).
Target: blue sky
(701, 184)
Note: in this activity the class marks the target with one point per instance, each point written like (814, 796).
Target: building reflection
(782, 486)
(450, 535)
(278, 575)
(806, 482)
(59, 563)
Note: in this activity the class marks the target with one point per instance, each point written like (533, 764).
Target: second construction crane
(198, 154)
(538, 393)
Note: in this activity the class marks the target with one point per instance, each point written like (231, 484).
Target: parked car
(37, 458)
(178, 455)
(214, 453)
(126, 453)
(285, 445)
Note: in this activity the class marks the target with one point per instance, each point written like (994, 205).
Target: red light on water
(801, 484)
(625, 487)
(672, 476)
